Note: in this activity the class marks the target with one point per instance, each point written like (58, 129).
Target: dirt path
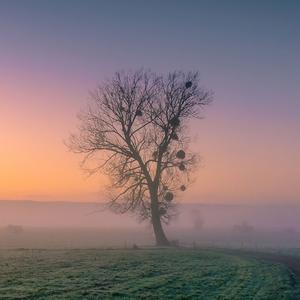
(293, 263)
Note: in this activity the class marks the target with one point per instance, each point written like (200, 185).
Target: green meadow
(141, 274)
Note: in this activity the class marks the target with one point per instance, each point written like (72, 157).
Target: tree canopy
(134, 131)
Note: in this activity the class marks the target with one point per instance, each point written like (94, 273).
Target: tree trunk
(160, 237)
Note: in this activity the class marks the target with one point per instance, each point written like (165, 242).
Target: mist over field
(30, 224)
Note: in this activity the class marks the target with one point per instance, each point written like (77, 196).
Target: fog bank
(84, 215)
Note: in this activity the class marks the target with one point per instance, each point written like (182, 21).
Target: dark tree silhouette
(133, 130)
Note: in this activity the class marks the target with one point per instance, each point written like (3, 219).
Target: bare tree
(134, 131)
(14, 229)
(197, 218)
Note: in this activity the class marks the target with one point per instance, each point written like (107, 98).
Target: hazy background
(28, 224)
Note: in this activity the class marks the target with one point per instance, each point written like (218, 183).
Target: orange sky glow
(53, 53)
(242, 161)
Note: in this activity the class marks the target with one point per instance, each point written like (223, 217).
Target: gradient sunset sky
(52, 53)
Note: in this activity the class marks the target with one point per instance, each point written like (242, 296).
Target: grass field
(140, 274)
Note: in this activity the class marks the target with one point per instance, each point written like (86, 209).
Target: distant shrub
(174, 243)
(135, 247)
(244, 227)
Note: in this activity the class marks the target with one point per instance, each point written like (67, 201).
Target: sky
(52, 53)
